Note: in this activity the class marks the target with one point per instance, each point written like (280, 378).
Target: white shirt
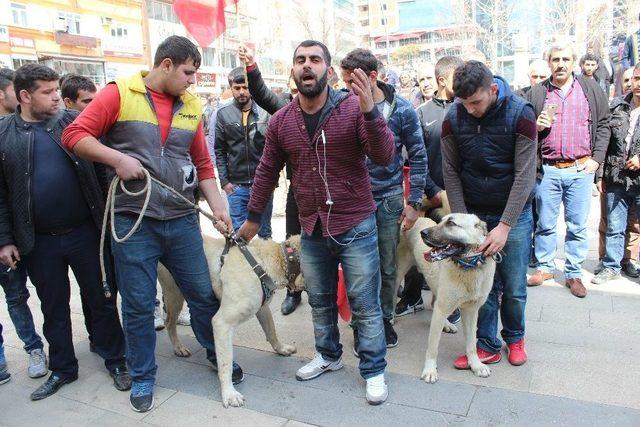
(633, 121)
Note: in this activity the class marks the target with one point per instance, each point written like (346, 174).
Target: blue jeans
(572, 188)
(238, 201)
(618, 205)
(14, 284)
(357, 251)
(177, 243)
(510, 280)
(387, 216)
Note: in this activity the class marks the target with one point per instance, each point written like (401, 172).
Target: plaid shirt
(569, 137)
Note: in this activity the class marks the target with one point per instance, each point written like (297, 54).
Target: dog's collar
(474, 260)
(291, 262)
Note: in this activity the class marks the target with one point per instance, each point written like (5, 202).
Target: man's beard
(315, 90)
(242, 102)
(42, 113)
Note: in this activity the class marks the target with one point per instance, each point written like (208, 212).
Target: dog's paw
(232, 398)
(181, 351)
(286, 350)
(481, 370)
(449, 327)
(430, 372)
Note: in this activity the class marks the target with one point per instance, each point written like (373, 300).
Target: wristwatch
(415, 205)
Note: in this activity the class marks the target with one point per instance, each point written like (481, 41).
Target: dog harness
(291, 262)
(266, 282)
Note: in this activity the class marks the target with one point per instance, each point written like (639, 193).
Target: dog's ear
(482, 226)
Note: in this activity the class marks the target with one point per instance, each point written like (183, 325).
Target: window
(209, 57)
(229, 59)
(161, 11)
(72, 20)
(17, 63)
(364, 23)
(384, 7)
(119, 30)
(19, 14)
(383, 21)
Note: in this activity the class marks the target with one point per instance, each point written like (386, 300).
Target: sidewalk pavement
(581, 371)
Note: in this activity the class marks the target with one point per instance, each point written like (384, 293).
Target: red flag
(203, 19)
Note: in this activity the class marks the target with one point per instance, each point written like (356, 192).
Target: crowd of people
(363, 162)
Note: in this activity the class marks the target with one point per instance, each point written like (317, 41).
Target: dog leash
(109, 214)
(266, 282)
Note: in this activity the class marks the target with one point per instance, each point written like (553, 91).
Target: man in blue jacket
(386, 181)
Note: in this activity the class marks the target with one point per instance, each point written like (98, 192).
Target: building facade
(98, 39)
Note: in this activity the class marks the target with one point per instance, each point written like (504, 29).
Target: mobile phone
(551, 110)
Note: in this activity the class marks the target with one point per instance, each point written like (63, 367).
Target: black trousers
(292, 219)
(48, 268)
(86, 308)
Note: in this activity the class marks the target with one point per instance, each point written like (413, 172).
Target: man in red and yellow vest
(150, 121)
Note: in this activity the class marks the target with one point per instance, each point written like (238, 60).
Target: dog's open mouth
(443, 252)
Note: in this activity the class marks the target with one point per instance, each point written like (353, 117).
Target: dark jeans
(48, 267)
(388, 213)
(238, 201)
(14, 283)
(511, 280)
(619, 203)
(357, 251)
(177, 243)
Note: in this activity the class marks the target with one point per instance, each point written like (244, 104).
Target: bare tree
(495, 32)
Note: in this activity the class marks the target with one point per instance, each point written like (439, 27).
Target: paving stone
(506, 407)
(618, 322)
(569, 315)
(17, 410)
(188, 410)
(626, 304)
(96, 389)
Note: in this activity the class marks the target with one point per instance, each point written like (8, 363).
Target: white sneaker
(377, 390)
(317, 367)
(158, 317)
(37, 364)
(184, 318)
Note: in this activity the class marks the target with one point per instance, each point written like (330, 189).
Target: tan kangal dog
(240, 294)
(446, 255)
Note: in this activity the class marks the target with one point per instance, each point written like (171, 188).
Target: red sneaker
(517, 354)
(485, 357)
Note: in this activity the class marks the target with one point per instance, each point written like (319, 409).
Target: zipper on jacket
(246, 142)
(29, 166)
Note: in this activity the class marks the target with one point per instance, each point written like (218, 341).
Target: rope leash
(109, 214)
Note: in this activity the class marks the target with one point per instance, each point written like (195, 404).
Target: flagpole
(244, 64)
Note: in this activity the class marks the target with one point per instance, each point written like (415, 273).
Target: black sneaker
(141, 398)
(4, 376)
(631, 269)
(356, 342)
(237, 376)
(455, 316)
(404, 307)
(121, 378)
(390, 335)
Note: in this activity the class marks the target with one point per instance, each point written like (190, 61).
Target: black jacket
(16, 170)
(262, 95)
(238, 148)
(431, 115)
(598, 110)
(615, 175)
